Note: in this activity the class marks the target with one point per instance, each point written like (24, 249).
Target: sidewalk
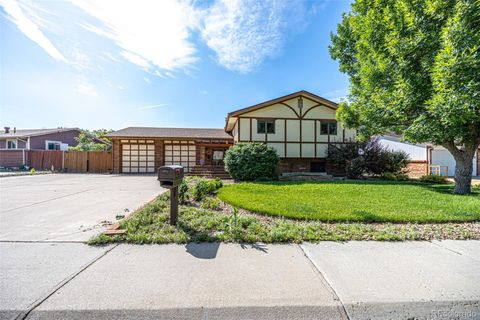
(354, 280)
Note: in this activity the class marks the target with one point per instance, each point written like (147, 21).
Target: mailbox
(170, 176)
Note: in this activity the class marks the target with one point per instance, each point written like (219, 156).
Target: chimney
(14, 129)
(7, 129)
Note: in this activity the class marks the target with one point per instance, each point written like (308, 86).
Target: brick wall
(116, 155)
(417, 168)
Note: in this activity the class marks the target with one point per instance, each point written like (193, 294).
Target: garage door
(181, 153)
(138, 156)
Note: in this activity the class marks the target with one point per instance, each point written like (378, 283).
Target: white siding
(416, 152)
(308, 130)
(308, 150)
(293, 150)
(279, 134)
(443, 157)
(293, 130)
(280, 147)
(245, 129)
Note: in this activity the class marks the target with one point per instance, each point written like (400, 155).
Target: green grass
(362, 201)
(150, 225)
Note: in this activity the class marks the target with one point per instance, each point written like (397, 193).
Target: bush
(252, 161)
(183, 192)
(205, 187)
(210, 203)
(394, 176)
(431, 178)
(374, 160)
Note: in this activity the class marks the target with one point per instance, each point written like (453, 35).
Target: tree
(414, 69)
(93, 141)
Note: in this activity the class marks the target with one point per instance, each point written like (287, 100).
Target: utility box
(170, 176)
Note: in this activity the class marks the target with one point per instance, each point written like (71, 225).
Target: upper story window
(52, 145)
(11, 144)
(328, 128)
(265, 126)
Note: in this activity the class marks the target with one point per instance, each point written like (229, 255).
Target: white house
(425, 156)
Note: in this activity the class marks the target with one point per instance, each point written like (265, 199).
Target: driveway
(68, 207)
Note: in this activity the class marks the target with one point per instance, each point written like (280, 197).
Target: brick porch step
(211, 171)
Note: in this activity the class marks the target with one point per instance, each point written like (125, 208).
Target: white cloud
(151, 34)
(86, 88)
(245, 32)
(155, 106)
(17, 15)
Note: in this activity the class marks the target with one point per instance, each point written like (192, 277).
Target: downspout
(23, 150)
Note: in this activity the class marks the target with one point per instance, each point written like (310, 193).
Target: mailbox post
(171, 177)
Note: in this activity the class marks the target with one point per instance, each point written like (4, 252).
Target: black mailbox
(170, 176)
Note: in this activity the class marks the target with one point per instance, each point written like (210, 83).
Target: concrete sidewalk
(353, 280)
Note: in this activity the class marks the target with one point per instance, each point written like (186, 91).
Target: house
(39, 139)
(144, 149)
(299, 126)
(427, 158)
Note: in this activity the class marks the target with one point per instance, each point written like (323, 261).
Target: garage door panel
(182, 154)
(138, 158)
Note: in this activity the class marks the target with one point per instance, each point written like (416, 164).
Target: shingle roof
(19, 133)
(149, 132)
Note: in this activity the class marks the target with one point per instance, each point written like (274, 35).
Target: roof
(152, 132)
(24, 133)
(302, 93)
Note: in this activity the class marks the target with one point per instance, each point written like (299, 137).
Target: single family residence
(427, 158)
(299, 126)
(39, 139)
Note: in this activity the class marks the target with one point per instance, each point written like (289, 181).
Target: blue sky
(170, 63)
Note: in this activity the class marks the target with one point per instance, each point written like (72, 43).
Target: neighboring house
(299, 126)
(144, 149)
(425, 156)
(39, 139)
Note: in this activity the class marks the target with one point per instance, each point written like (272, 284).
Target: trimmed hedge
(249, 161)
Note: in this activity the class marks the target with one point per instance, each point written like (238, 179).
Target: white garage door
(181, 153)
(138, 157)
(444, 158)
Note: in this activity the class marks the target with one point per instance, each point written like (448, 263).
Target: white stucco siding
(279, 134)
(293, 130)
(320, 112)
(308, 130)
(293, 150)
(273, 111)
(244, 129)
(322, 150)
(235, 132)
(308, 150)
(279, 147)
(415, 152)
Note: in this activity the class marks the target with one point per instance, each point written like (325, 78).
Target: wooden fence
(67, 161)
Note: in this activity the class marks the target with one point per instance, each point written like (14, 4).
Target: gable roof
(25, 133)
(184, 133)
(302, 93)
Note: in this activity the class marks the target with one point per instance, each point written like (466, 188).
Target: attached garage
(181, 153)
(138, 156)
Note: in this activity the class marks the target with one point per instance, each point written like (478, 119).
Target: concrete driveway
(68, 207)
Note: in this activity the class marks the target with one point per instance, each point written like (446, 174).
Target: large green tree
(414, 69)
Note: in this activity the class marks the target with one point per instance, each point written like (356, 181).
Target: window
(328, 128)
(11, 144)
(265, 126)
(53, 145)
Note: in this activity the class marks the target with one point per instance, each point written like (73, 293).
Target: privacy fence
(66, 161)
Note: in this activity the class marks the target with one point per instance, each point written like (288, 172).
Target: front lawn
(359, 201)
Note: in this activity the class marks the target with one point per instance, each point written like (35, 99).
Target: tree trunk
(463, 167)
(463, 172)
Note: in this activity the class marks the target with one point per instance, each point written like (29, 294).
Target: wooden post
(173, 205)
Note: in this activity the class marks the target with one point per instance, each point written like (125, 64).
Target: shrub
(394, 176)
(183, 192)
(205, 187)
(374, 160)
(210, 203)
(431, 178)
(252, 161)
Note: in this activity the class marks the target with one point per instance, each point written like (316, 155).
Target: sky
(112, 64)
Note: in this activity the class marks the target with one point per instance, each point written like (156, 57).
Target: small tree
(251, 161)
(414, 69)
